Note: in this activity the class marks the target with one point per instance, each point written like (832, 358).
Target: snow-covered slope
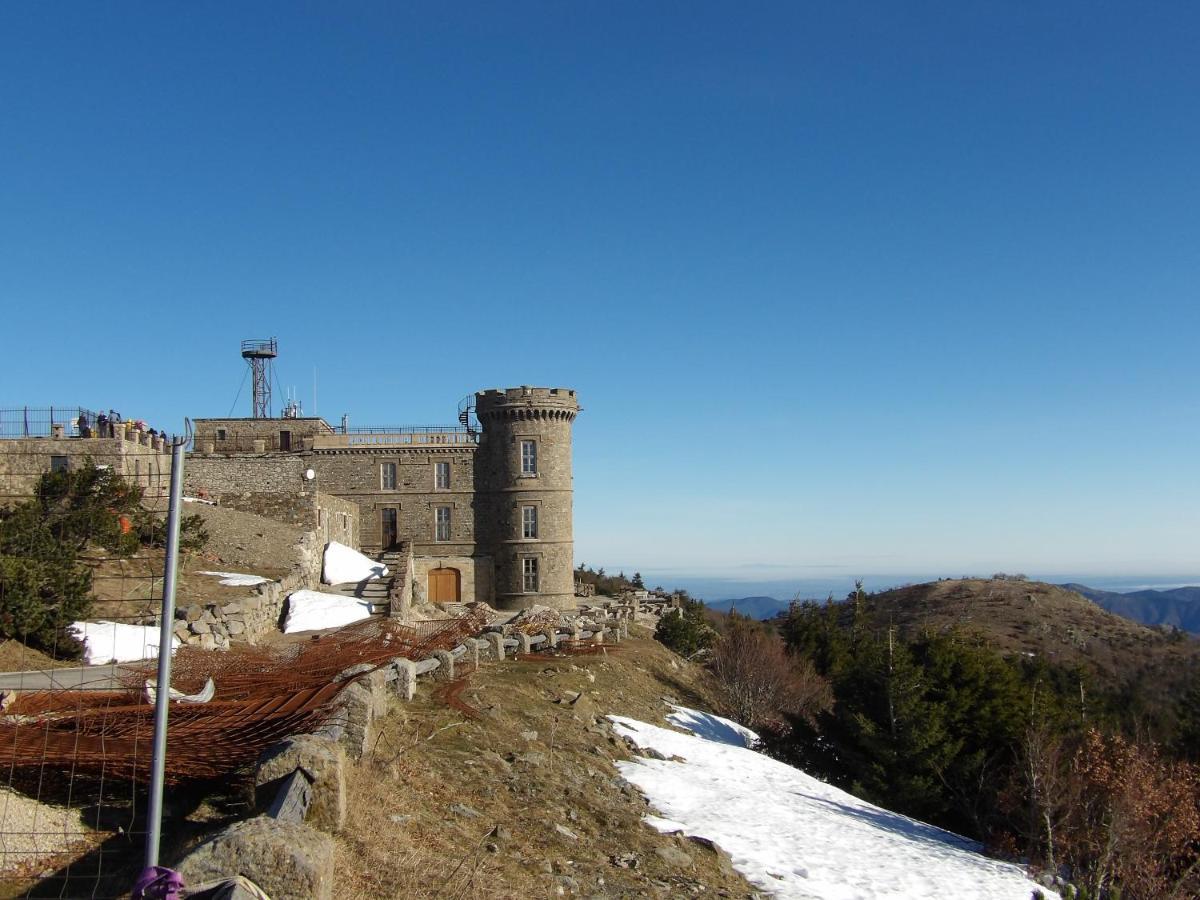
(794, 836)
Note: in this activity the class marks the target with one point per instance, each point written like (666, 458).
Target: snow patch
(712, 728)
(794, 836)
(344, 564)
(314, 611)
(237, 579)
(107, 642)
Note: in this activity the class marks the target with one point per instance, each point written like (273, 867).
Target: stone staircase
(378, 591)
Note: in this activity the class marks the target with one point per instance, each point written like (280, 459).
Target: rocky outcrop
(288, 861)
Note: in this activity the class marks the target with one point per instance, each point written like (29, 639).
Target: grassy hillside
(511, 790)
(1033, 618)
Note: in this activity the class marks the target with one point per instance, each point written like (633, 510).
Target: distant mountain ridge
(1179, 607)
(754, 607)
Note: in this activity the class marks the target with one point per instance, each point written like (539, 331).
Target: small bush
(685, 631)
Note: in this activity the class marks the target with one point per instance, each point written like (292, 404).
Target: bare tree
(759, 681)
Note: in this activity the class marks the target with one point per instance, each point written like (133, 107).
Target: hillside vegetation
(1043, 621)
(1015, 712)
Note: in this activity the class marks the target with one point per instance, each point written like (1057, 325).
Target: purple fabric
(157, 883)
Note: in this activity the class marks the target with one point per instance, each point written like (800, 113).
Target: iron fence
(42, 421)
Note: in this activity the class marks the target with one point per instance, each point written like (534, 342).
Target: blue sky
(844, 288)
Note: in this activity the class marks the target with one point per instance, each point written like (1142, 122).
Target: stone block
(323, 761)
(356, 714)
(496, 640)
(376, 683)
(288, 861)
(446, 658)
(406, 678)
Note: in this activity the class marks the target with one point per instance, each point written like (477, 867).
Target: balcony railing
(41, 421)
(396, 436)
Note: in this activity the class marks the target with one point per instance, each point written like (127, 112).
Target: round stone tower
(524, 504)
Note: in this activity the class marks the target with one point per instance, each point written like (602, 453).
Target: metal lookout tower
(259, 354)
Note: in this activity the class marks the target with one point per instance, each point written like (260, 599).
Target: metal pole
(166, 633)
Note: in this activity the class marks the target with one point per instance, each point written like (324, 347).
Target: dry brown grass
(16, 657)
(405, 838)
(1043, 619)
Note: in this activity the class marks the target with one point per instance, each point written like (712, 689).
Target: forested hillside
(1014, 712)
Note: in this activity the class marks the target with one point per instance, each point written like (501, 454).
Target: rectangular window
(441, 523)
(221, 434)
(387, 476)
(58, 464)
(441, 476)
(529, 525)
(529, 575)
(285, 441)
(528, 457)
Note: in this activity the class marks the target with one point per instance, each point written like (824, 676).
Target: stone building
(34, 441)
(484, 513)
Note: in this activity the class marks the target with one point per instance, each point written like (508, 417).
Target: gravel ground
(244, 542)
(33, 833)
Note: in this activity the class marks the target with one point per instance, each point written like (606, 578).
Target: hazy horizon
(714, 588)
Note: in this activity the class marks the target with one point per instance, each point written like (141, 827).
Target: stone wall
(257, 435)
(337, 520)
(357, 475)
(216, 476)
(250, 619)
(273, 486)
(141, 460)
(475, 576)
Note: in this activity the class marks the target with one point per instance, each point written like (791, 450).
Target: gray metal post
(166, 633)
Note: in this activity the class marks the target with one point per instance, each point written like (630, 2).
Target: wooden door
(388, 530)
(444, 585)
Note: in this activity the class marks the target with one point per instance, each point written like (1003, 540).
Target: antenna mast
(260, 355)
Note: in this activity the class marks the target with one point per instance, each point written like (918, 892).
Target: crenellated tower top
(526, 403)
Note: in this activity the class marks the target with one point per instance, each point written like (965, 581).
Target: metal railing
(396, 436)
(265, 347)
(403, 429)
(41, 421)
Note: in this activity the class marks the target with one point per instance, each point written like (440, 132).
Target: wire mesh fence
(69, 829)
(76, 740)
